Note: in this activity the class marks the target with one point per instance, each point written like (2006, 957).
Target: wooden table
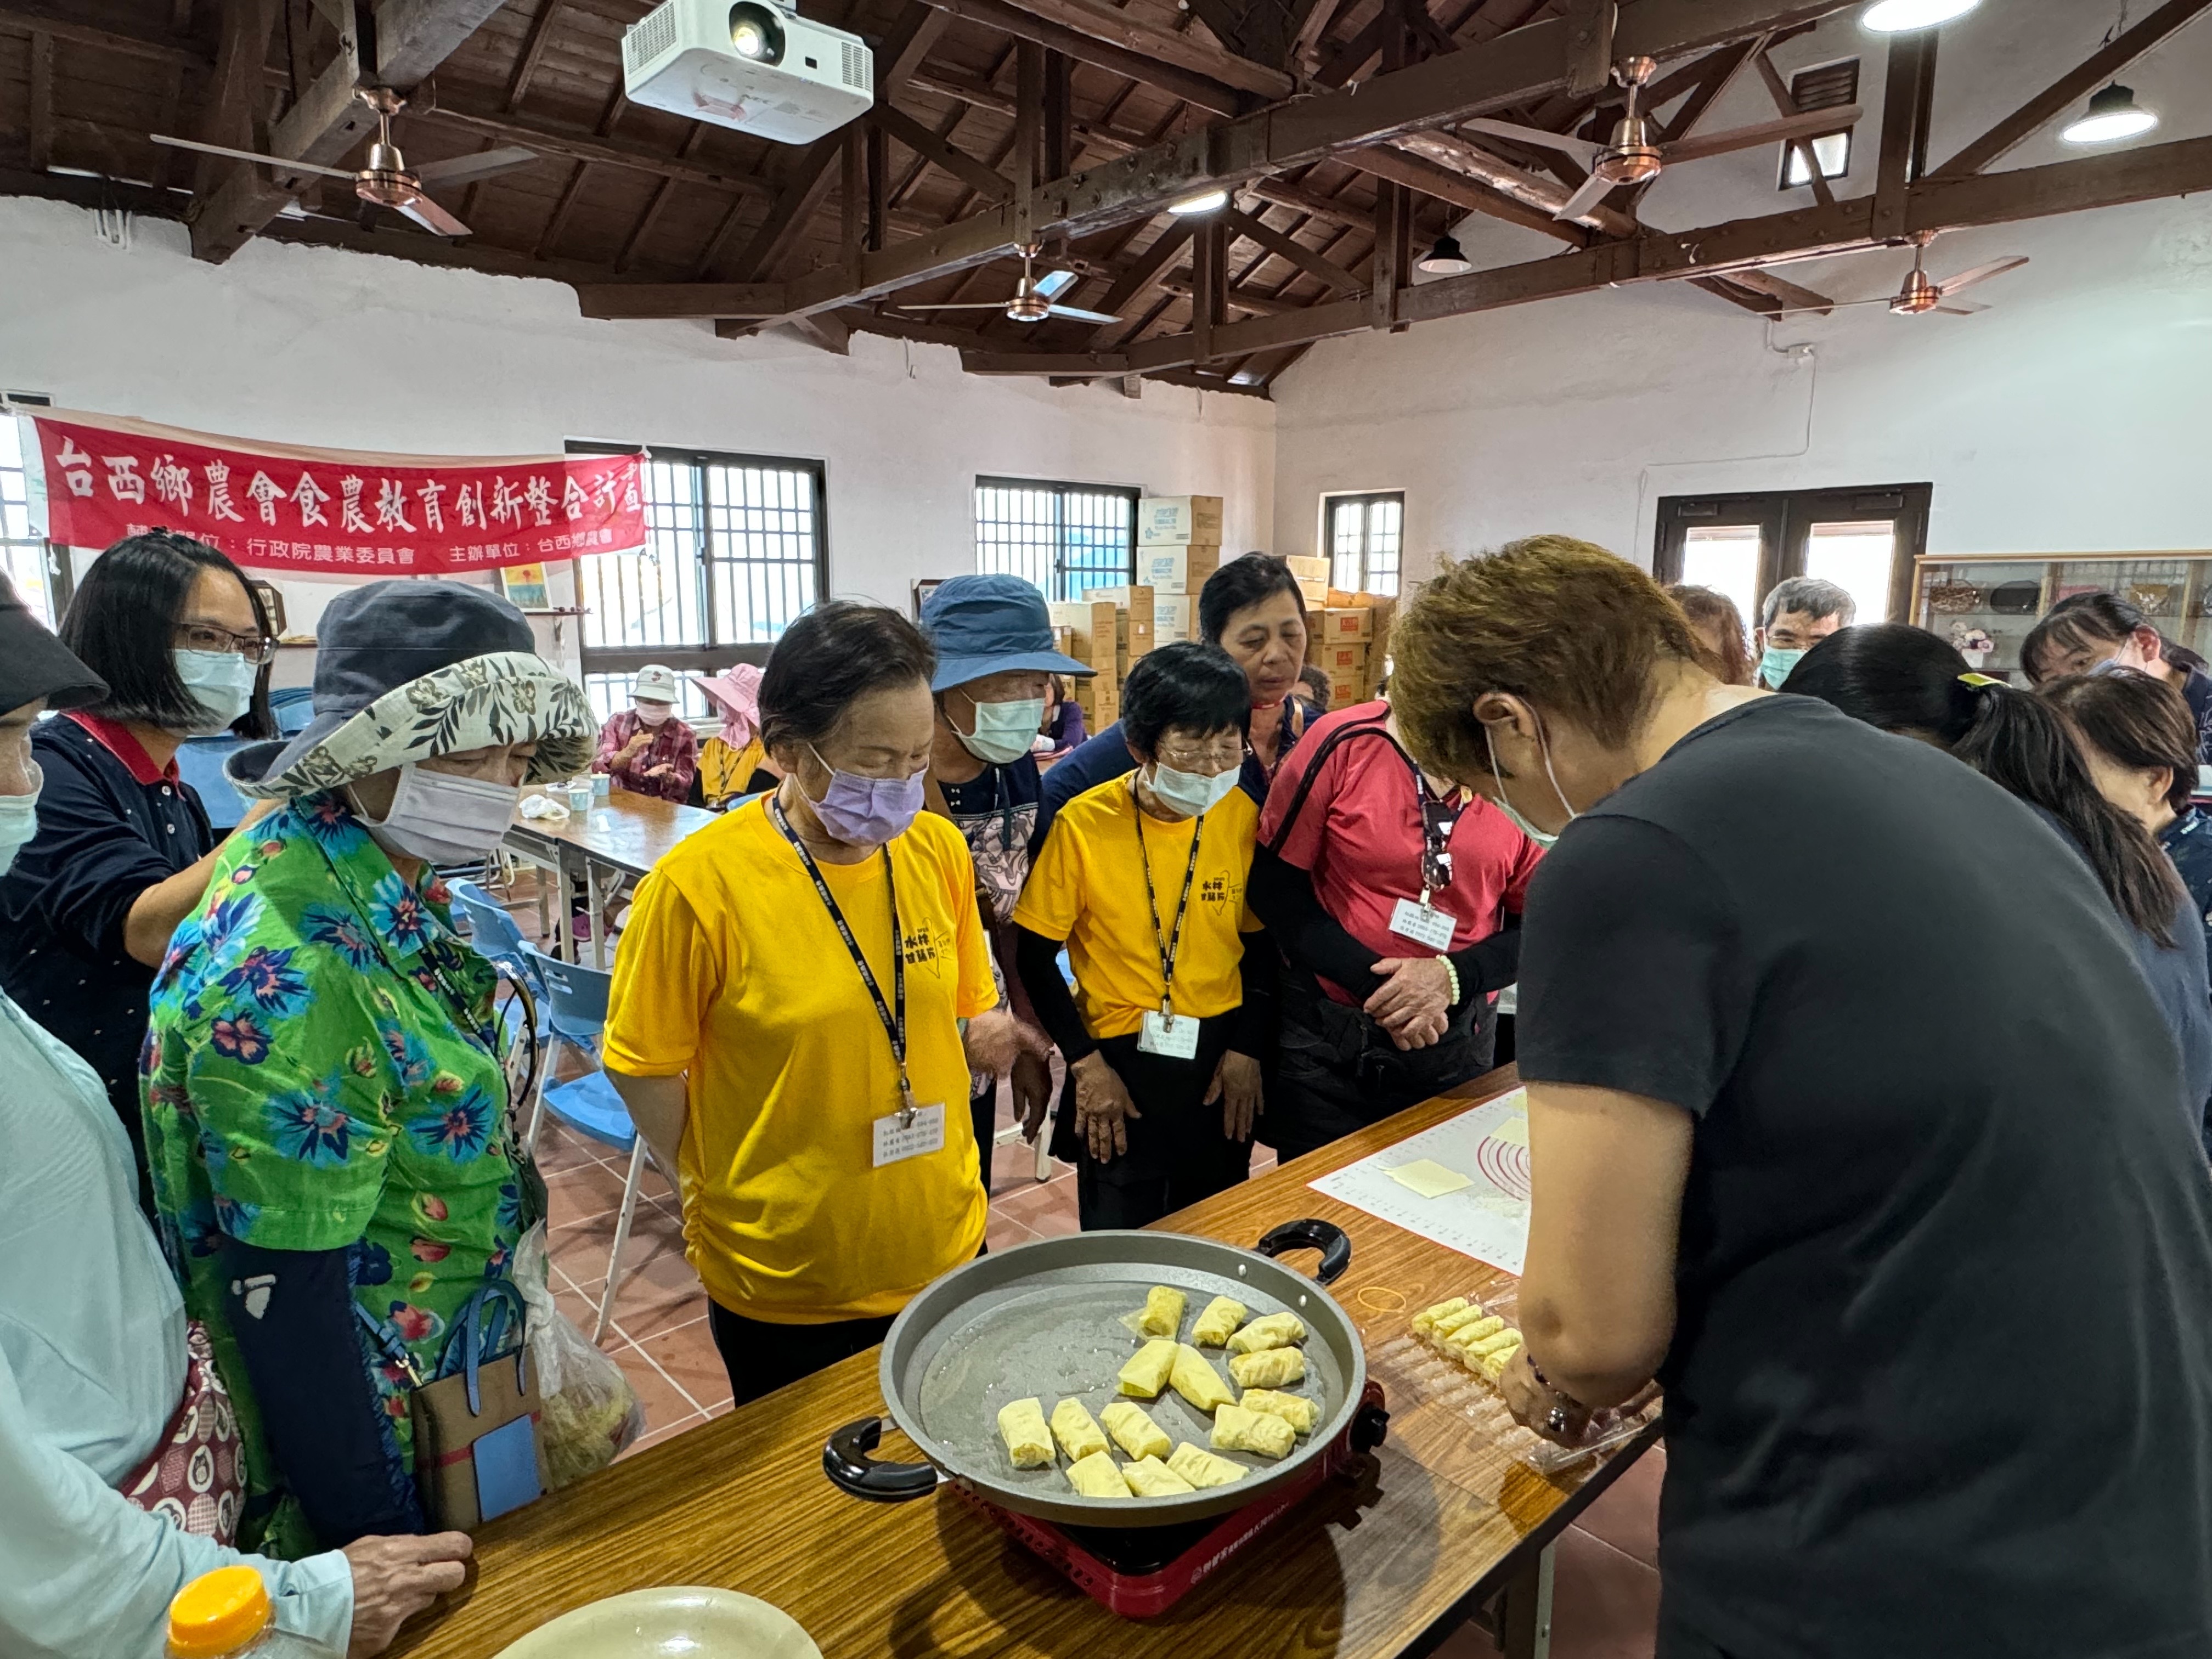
(625, 834)
(1443, 1527)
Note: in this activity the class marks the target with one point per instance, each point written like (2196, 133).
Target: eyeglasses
(1201, 758)
(202, 636)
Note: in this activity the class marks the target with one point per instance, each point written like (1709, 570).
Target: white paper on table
(1487, 1218)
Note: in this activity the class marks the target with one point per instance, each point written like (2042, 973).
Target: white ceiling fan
(387, 181)
(1920, 293)
(1032, 300)
(1631, 154)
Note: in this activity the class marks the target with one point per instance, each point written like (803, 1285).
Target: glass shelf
(2006, 595)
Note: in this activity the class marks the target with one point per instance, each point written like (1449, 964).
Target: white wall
(2072, 415)
(318, 346)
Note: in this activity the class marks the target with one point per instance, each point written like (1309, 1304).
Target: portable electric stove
(1139, 1573)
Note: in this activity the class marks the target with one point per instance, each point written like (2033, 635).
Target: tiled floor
(1606, 1585)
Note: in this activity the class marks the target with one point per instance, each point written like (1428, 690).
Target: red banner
(332, 511)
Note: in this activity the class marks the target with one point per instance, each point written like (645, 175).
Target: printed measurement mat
(1488, 1217)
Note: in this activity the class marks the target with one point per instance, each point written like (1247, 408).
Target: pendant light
(2113, 115)
(1895, 16)
(1204, 201)
(1446, 259)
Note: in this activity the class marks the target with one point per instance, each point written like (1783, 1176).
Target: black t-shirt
(1942, 1376)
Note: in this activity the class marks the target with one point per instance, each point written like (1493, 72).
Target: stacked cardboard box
(1347, 639)
(1313, 577)
(1178, 547)
(1092, 627)
(1132, 622)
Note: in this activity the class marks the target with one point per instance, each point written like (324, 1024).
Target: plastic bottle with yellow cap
(226, 1614)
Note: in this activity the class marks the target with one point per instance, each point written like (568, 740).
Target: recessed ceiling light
(1206, 201)
(2113, 115)
(1893, 16)
(1446, 259)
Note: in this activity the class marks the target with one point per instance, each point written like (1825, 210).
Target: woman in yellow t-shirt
(1143, 880)
(808, 1080)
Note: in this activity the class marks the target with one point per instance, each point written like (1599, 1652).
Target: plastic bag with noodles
(591, 1412)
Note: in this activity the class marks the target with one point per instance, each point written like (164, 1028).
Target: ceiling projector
(752, 65)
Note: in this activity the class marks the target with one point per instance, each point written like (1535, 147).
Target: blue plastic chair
(494, 934)
(576, 1000)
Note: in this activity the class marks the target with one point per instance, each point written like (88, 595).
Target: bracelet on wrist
(1451, 976)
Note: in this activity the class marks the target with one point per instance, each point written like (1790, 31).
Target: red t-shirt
(1358, 833)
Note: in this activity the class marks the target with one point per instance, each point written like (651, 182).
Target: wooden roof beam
(1415, 171)
(1118, 28)
(1188, 84)
(576, 144)
(897, 123)
(1328, 272)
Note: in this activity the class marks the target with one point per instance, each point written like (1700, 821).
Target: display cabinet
(1986, 602)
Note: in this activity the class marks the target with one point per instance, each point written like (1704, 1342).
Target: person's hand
(1420, 1031)
(993, 1040)
(1031, 1078)
(1236, 1086)
(395, 1578)
(661, 770)
(637, 746)
(1532, 1404)
(1414, 989)
(1103, 1107)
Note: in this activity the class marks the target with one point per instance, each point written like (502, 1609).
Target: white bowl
(680, 1621)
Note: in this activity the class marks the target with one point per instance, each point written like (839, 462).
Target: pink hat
(736, 692)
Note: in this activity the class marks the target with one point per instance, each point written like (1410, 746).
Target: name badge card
(1424, 924)
(1173, 1037)
(896, 1142)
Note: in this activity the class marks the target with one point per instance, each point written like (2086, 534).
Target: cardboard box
(1091, 626)
(1313, 569)
(1342, 625)
(1163, 520)
(1345, 688)
(1175, 616)
(1133, 631)
(1179, 567)
(1334, 659)
(1100, 700)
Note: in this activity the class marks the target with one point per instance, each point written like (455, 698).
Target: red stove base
(1122, 1572)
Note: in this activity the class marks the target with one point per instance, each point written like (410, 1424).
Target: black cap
(34, 664)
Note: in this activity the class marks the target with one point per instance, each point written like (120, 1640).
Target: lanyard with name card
(1423, 923)
(912, 1130)
(1162, 1033)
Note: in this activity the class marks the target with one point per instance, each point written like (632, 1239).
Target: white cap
(654, 684)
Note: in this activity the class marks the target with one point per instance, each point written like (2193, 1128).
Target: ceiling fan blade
(456, 169)
(1052, 283)
(1970, 308)
(1581, 148)
(1082, 316)
(1813, 124)
(964, 305)
(1981, 274)
(1832, 305)
(1594, 190)
(432, 217)
(249, 155)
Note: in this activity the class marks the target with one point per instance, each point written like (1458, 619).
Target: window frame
(1782, 181)
(709, 656)
(1785, 519)
(1061, 488)
(1363, 499)
(60, 571)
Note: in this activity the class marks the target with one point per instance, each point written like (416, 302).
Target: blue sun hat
(991, 625)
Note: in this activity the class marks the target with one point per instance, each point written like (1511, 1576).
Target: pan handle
(1312, 1234)
(845, 1460)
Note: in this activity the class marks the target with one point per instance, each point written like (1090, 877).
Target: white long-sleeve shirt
(92, 1367)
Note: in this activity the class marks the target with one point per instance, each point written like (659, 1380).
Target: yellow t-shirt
(724, 771)
(731, 969)
(1088, 889)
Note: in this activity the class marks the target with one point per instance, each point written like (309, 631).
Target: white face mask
(653, 714)
(1194, 794)
(1004, 730)
(220, 681)
(443, 818)
(19, 823)
(1542, 837)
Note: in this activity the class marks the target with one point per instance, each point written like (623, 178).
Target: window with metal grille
(32, 570)
(1066, 537)
(1829, 85)
(735, 548)
(1365, 535)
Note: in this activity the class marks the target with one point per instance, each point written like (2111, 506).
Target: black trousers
(1177, 1153)
(983, 1113)
(1337, 1071)
(761, 1358)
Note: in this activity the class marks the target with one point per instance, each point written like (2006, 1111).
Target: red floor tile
(1604, 1606)
(1627, 1514)
(560, 1149)
(664, 1403)
(687, 1355)
(1003, 1232)
(579, 1193)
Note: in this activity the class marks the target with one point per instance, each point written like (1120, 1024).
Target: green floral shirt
(321, 1073)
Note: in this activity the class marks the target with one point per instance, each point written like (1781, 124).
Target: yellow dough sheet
(1150, 1477)
(1219, 1323)
(1148, 1369)
(1468, 1336)
(1458, 1320)
(1202, 1468)
(1162, 1315)
(1271, 1368)
(1236, 1429)
(1494, 1364)
(1196, 1381)
(1075, 1429)
(1427, 1318)
(1137, 1433)
(1490, 1344)
(1429, 1178)
(1277, 1330)
(1029, 1442)
(1295, 1409)
(1096, 1476)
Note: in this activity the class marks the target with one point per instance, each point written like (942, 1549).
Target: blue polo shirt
(111, 824)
